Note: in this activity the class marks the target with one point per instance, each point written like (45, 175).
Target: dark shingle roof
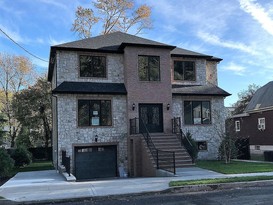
(262, 99)
(205, 90)
(112, 42)
(90, 88)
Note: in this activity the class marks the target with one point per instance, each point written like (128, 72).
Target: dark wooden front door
(152, 116)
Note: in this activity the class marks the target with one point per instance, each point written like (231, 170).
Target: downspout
(57, 137)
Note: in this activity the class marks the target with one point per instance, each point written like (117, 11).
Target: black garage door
(95, 162)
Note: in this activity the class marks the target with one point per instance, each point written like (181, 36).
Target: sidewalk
(50, 186)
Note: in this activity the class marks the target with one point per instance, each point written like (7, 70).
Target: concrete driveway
(50, 186)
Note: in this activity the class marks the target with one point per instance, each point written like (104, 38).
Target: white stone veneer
(70, 134)
(209, 133)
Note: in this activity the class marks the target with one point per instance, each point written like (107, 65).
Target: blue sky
(239, 31)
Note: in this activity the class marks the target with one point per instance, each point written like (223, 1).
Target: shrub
(7, 164)
(190, 145)
(21, 156)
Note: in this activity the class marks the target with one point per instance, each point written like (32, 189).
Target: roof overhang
(90, 88)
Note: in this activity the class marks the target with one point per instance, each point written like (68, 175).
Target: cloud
(258, 13)
(215, 40)
(237, 69)
(12, 34)
(54, 42)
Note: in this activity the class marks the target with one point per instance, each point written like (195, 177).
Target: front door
(152, 117)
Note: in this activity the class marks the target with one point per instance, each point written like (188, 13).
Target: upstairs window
(261, 123)
(197, 112)
(184, 70)
(94, 113)
(237, 126)
(92, 66)
(149, 68)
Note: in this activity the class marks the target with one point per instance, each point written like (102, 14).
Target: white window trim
(261, 123)
(237, 126)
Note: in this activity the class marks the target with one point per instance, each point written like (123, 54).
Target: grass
(220, 180)
(35, 166)
(235, 167)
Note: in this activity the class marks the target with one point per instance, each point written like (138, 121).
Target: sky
(238, 31)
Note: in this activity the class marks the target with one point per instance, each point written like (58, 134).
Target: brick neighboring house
(103, 86)
(254, 123)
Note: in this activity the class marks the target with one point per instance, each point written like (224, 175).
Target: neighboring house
(255, 123)
(108, 89)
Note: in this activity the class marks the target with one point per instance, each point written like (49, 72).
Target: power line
(22, 46)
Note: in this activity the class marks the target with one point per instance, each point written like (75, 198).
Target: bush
(227, 149)
(191, 146)
(21, 156)
(7, 164)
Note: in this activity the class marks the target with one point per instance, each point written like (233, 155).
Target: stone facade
(70, 135)
(68, 68)
(209, 132)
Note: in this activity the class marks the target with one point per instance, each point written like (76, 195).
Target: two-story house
(108, 89)
(253, 125)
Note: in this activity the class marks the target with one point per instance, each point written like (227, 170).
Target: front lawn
(235, 167)
(220, 180)
(35, 166)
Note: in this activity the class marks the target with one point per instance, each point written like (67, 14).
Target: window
(202, 145)
(148, 68)
(184, 70)
(237, 126)
(261, 123)
(197, 112)
(92, 66)
(94, 113)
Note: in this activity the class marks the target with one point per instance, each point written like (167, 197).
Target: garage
(95, 162)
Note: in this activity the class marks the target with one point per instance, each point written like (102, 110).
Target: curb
(7, 202)
(220, 186)
(181, 189)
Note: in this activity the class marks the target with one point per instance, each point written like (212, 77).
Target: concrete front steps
(169, 142)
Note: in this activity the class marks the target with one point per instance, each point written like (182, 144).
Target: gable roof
(200, 90)
(115, 43)
(69, 87)
(262, 99)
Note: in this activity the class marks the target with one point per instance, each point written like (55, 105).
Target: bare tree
(115, 15)
(15, 73)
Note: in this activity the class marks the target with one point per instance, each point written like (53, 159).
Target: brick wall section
(140, 160)
(148, 92)
(68, 68)
(207, 133)
(211, 74)
(70, 135)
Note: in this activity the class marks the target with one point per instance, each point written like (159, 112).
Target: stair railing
(66, 162)
(161, 157)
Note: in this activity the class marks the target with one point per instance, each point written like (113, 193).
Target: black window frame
(149, 68)
(184, 70)
(92, 71)
(203, 120)
(98, 116)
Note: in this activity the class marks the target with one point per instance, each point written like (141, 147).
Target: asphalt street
(246, 196)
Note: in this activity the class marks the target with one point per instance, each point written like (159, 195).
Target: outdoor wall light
(168, 106)
(133, 106)
(96, 138)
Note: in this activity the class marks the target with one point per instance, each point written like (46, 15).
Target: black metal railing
(185, 142)
(164, 159)
(66, 162)
(176, 125)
